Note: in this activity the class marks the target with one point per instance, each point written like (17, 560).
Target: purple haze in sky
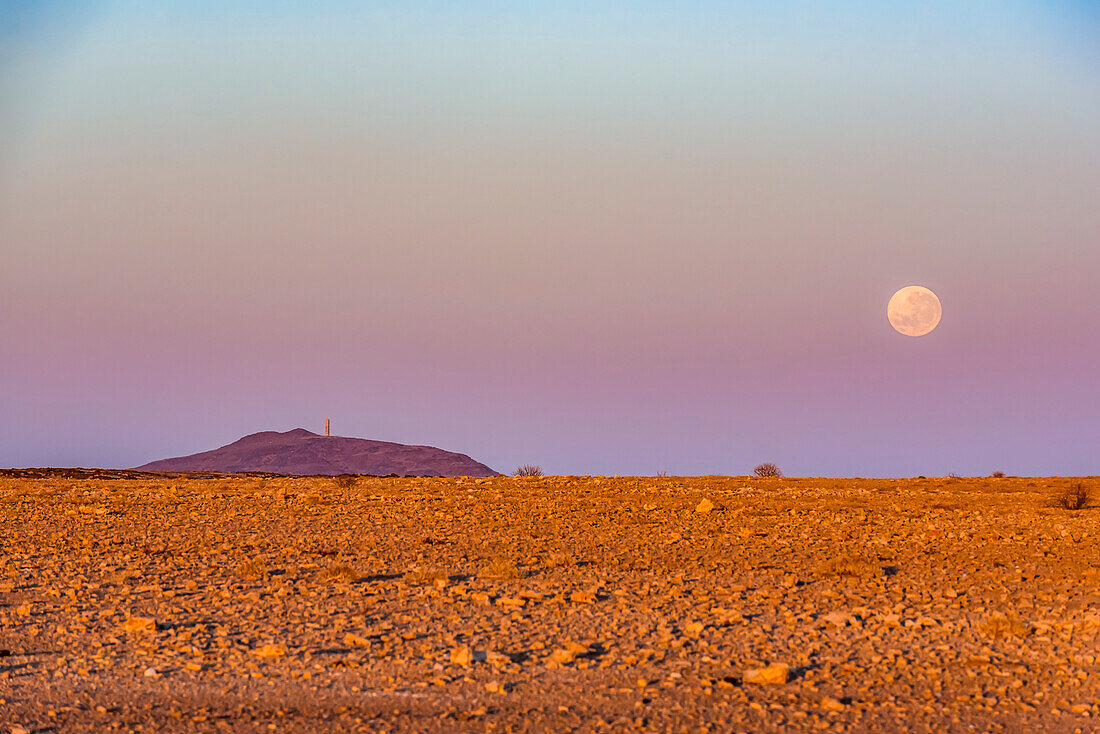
(603, 238)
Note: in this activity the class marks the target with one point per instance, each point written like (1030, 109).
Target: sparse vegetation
(1074, 497)
(559, 559)
(767, 470)
(253, 569)
(345, 481)
(529, 470)
(998, 475)
(499, 569)
(999, 625)
(426, 575)
(854, 566)
(338, 574)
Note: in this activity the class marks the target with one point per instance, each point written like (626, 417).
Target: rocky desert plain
(146, 602)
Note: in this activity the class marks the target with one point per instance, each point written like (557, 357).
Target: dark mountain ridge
(301, 452)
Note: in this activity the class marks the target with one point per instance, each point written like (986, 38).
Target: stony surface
(158, 603)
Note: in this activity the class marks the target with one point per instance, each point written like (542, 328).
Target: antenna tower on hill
(326, 426)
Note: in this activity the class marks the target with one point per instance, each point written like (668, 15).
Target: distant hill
(302, 452)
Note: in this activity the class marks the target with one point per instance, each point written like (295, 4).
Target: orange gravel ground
(169, 603)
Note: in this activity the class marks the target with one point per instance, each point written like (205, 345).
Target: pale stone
(139, 624)
(272, 651)
(771, 675)
(461, 656)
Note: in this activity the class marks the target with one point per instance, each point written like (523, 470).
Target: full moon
(914, 310)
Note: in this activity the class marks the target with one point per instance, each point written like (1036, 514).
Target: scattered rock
(139, 624)
(705, 506)
(567, 654)
(271, 651)
(461, 656)
(771, 675)
(930, 623)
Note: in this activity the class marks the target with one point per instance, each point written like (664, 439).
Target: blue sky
(603, 237)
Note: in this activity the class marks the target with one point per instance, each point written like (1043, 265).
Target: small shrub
(998, 475)
(121, 578)
(426, 575)
(767, 470)
(345, 481)
(1000, 625)
(499, 569)
(850, 565)
(253, 569)
(1075, 497)
(338, 574)
(528, 470)
(559, 559)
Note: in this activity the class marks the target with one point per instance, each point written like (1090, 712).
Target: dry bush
(999, 625)
(338, 574)
(559, 559)
(767, 470)
(119, 578)
(345, 481)
(1075, 497)
(426, 575)
(528, 470)
(849, 565)
(499, 569)
(253, 569)
(998, 475)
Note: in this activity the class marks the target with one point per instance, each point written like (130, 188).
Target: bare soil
(169, 603)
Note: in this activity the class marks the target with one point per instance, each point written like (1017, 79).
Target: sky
(601, 237)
